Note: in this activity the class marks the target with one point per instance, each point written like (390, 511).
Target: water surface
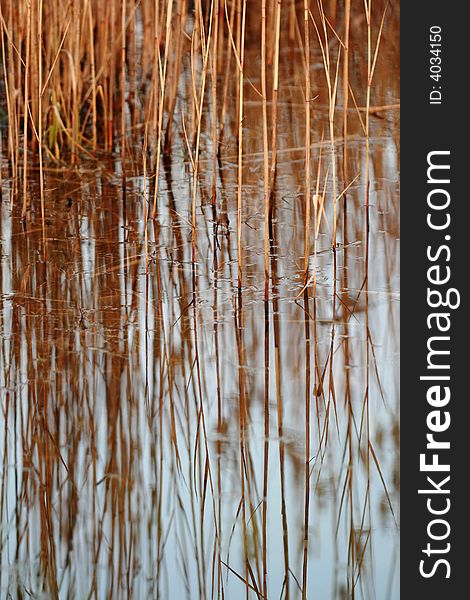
(147, 403)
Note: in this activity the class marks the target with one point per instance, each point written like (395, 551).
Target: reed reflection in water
(156, 418)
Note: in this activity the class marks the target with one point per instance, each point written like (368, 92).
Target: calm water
(137, 393)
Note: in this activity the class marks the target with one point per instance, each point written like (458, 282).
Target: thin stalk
(214, 97)
(240, 148)
(347, 20)
(26, 110)
(307, 317)
(41, 172)
(123, 90)
(275, 94)
(307, 140)
(162, 70)
(93, 77)
(266, 299)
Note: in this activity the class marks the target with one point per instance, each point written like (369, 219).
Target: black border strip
(425, 128)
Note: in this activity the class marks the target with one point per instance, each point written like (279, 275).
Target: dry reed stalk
(240, 147)
(75, 79)
(229, 21)
(93, 76)
(8, 77)
(145, 198)
(15, 84)
(156, 75)
(347, 22)
(162, 74)
(112, 75)
(275, 93)
(292, 23)
(265, 150)
(33, 75)
(237, 48)
(132, 54)
(198, 103)
(26, 110)
(308, 94)
(181, 15)
(123, 89)
(332, 86)
(39, 89)
(215, 50)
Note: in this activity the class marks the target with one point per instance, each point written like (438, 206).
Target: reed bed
(198, 299)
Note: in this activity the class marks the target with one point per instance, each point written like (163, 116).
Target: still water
(154, 418)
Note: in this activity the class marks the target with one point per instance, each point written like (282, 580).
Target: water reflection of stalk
(349, 481)
(177, 246)
(246, 464)
(365, 413)
(6, 407)
(201, 424)
(279, 399)
(266, 449)
(242, 429)
(156, 407)
(187, 295)
(215, 313)
(44, 444)
(307, 444)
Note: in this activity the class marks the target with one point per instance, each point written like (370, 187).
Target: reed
(266, 300)
(189, 251)
(26, 108)
(91, 68)
(306, 298)
(241, 82)
(275, 92)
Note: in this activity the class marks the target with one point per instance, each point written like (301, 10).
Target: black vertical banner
(435, 257)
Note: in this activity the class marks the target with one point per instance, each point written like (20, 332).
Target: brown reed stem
(307, 318)
(240, 148)
(274, 116)
(26, 109)
(308, 93)
(41, 173)
(215, 12)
